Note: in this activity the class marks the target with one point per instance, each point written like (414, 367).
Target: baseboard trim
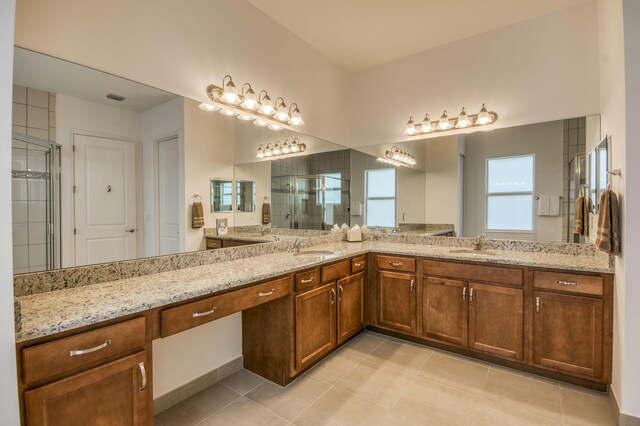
(187, 390)
(623, 419)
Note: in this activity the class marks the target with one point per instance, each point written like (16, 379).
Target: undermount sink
(471, 251)
(314, 253)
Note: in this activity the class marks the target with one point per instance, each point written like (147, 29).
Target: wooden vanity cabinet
(444, 310)
(397, 301)
(350, 306)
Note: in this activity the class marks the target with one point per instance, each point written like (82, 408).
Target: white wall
(8, 384)
(161, 122)
(183, 49)
(208, 153)
(75, 115)
(535, 71)
(260, 173)
(441, 164)
(545, 142)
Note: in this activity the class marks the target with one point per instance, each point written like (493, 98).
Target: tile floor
(375, 380)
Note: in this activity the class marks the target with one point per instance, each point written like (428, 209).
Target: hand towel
(266, 213)
(608, 238)
(579, 221)
(197, 215)
(587, 208)
(554, 205)
(543, 206)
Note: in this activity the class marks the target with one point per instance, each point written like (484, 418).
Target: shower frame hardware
(54, 212)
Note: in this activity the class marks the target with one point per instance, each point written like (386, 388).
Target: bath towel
(580, 223)
(266, 213)
(608, 238)
(197, 215)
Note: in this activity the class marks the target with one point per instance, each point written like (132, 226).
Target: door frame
(138, 184)
(156, 190)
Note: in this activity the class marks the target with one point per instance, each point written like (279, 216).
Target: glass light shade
(260, 122)
(268, 151)
(296, 118)
(230, 93)
(266, 106)
(276, 149)
(275, 126)
(286, 148)
(250, 102)
(302, 147)
(411, 127)
(426, 126)
(282, 114)
(295, 147)
(244, 117)
(260, 152)
(208, 107)
(484, 117)
(444, 123)
(228, 112)
(463, 120)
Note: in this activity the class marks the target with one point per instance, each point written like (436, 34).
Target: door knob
(132, 230)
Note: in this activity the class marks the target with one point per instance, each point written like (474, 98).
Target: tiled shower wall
(575, 142)
(33, 115)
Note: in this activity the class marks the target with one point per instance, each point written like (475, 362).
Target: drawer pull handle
(566, 282)
(464, 294)
(333, 296)
(204, 314)
(537, 305)
(413, 283)
(358, 264)
(341, 291)
(306, 281)
(471, 296)
(396, 264)
(143, 373)
(268, 293)
(77, 352)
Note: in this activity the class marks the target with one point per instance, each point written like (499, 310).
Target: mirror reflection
(221, 195)
(245, 196)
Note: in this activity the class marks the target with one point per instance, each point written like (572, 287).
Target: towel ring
(610, 174)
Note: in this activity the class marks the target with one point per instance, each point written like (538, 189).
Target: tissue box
(354, 235)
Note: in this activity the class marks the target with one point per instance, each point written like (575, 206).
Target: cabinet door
(568, 333)
(496, 320)
(350, 306)
(397, 301)
(112, 394)
(444, 310)
(315, 313)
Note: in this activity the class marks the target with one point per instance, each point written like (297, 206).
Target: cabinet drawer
(184, 317)
(396, 263)
(214, 243)
(307, 280)
(358, 264)
(492, 274)
(71, 353)
(574, 283)
(335, 271)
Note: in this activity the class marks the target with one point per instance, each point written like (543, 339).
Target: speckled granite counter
(56, 311)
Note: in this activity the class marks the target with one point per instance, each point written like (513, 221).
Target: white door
(105, 199)
(168, 197)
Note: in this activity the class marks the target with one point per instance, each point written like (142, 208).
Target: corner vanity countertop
(62, 310)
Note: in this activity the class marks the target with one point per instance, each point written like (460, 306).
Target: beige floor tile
(362, 345)
(400, 355)
(525, 375)
(458, 372)
(583, 407)
(376, 383)
(156, 422)
(491, 413)
(242, 381)
(397, 419)
(431, 403)
(196, 408)
(244, 412)
(332, 369)
(289, 401)
(538, 398)
(339, 407)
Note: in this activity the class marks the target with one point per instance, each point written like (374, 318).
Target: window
(332, 188)
(380, 208)
(510, 193)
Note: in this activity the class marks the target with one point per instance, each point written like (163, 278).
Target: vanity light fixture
(280, 149)
(445, 123)
(387, 161)
(247, 106)
(400, 156)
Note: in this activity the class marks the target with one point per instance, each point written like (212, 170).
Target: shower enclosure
(35, 180)
(309, 202)
(577, 184)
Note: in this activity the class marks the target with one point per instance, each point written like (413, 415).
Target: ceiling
(359, 34)
(54, 75)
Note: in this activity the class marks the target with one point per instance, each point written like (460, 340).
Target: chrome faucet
(297, 245)
(477, 242)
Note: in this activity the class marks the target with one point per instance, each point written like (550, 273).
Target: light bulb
(228, 112)
(484, 117)
(411, 127)
(463, 120)
(276, 149)
(275, 126)
(260, 122)
(266, 106)
(286, 148)
(244, 117)
(282, 114)
(444, 123)
(250, 102)
(294, 146)
(426, 126)
(230, 93)
(268, 151)
(260, 152)
(296, 117)
(208, 107)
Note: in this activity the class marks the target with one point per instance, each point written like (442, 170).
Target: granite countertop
(422, 232)
(57, 311)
